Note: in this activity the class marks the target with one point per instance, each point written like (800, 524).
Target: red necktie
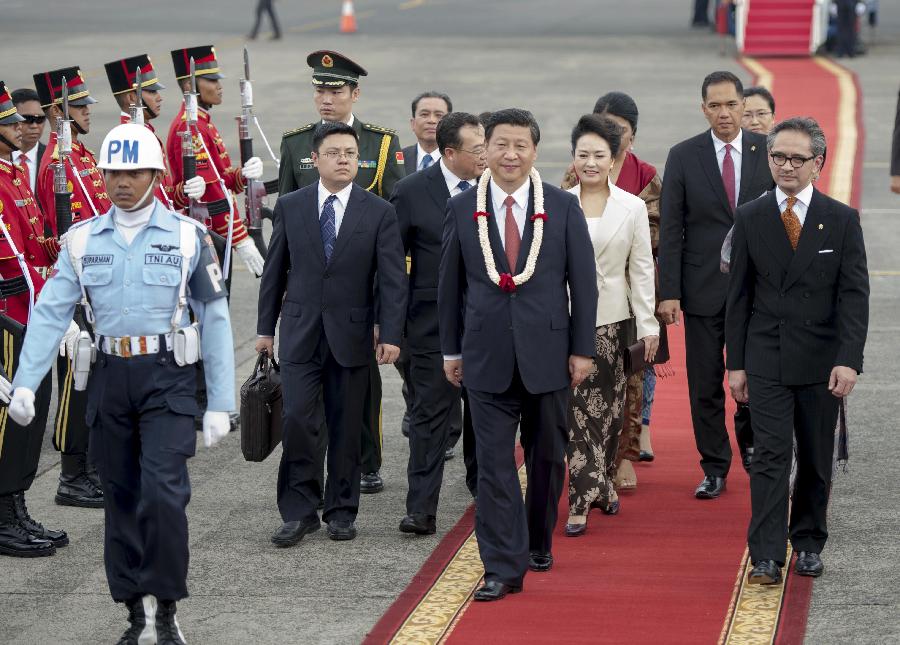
(513, 239)
(728, 176)
(23, 161)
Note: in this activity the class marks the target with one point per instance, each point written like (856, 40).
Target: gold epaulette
(302, 128)
(379, 129)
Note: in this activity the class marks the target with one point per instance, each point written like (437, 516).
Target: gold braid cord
(382, 163)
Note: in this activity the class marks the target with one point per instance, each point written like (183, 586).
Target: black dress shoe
(576, 530)
(646, 456)
(371, 483)
(540, 562)
(292, 532)
(493, 590)
(809, 564)
(340, 530)
(710, 488)
(747, 458)
(19, 543)
(78, 491)
(418, 523)
(766, 572)
(449, 454)
(58, 538)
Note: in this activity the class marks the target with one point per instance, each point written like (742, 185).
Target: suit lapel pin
(821, 226)
(752, 148)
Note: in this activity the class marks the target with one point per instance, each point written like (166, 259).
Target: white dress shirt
(421, 152)
(340, 204)
(520, 195)
(737, 153)
(32, 162)
(453, 181)
(802, 204)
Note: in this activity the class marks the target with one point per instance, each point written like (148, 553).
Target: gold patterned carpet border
(434, 618)
(755, 610)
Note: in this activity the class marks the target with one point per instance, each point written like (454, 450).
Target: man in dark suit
(421, 201)
(331, 239)
(895, 152)
(798, 312)
(706, 178)
(511, 327)
(28, 104)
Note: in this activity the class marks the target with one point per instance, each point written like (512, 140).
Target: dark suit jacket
(530, 329)
(695, 218)
(793, 315)
(409, 158)
(895, 145)
(336, 299)
(421, 201)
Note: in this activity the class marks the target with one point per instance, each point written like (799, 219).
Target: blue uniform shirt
(133, 290)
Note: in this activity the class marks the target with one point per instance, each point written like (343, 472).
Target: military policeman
(136, 271)
(20, 284)
(335, 80)
(78, 481)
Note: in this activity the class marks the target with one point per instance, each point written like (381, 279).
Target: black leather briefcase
(261, 405)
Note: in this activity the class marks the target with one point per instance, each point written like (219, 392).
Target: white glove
(69, 339)
(195, 187)
(215, 426)
(253, 169)
(21, 407)
(247, 251)
(5, 390)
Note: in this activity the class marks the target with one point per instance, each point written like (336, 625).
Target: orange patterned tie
(792, 225)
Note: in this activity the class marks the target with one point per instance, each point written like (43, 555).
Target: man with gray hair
(795, 325)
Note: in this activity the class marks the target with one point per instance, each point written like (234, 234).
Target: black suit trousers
(704, 340)
(506, 527)
(778, 412)
(429, 430)
(321, 382)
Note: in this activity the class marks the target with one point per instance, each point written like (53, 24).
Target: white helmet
(130, 147)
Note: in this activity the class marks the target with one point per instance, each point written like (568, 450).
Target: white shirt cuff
(453, 357)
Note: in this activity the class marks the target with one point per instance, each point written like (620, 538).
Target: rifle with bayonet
(255, 190)
(137, 108)
(62, 189)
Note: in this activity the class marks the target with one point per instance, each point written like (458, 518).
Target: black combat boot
(58, 538)
(16, 541)
(76, 488)
(142, 622)
(167, 630)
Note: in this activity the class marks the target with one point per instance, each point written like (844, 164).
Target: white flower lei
(506, 281)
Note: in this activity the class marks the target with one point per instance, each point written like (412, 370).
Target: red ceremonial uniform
(165, 191)
(20, 216)
(94, 188)
(217, 161)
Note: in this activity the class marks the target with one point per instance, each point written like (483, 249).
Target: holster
(186, 345)
(85, 355)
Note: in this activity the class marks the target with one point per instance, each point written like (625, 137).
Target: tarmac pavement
(555, 61)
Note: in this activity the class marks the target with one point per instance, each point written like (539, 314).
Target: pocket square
(827, 251)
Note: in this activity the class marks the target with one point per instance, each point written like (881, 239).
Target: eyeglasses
(478, 152)
(797, 162)
(334, 154)
(34, 118)
(759, 114)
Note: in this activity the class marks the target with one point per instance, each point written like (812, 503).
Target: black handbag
(261, 405)
(633, 356)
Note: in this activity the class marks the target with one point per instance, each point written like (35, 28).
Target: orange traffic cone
(348, 18)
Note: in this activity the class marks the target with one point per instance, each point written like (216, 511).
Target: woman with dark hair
(620, 233)
(638, 178)
(759, 110)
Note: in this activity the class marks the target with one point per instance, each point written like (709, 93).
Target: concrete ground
(485, 55)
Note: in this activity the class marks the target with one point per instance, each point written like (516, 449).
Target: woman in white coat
(620, 232)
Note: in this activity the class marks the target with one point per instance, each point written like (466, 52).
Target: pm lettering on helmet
(128, 148)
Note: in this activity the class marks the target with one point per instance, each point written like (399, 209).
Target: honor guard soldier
(79, 484)
(89, 196)
(136, 271)
(122, 75)
(335, 80)
(216, 178)
(20, 283)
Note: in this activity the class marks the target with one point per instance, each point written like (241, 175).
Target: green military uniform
(380, 167)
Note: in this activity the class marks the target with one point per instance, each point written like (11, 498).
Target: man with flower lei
(517, 300)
